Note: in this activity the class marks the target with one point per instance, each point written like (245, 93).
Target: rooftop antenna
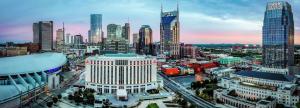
(128, 20)
(177, 6)
(161, 7)
(63, 31)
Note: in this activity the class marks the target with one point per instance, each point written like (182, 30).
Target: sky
(201, 21)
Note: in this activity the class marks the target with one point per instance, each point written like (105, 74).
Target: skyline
(202, 21)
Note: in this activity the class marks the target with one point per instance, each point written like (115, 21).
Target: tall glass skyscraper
(114, 31)
(43, 34)
(126, 31)
(169, 33)
(145, 40)
(95, 32)
(278, 35)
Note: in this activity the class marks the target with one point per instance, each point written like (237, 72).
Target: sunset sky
(202, 21)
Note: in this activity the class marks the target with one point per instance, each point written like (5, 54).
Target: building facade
(278, 35)
(115, 42)
(135, 40)
(59, 39)
(170, 33)
(256, 86)
(28, 77)
(109, 73)
(126, 32)
(43, 34)
(114, 31)
(145, 40)
(95, 32)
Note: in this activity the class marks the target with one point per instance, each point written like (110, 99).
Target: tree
(49, 104)
(55, 99)
(279, 105)
(152, 105)
(298, 104)
(90, 98)
(70, 97)
(59, 96)
(197, 92)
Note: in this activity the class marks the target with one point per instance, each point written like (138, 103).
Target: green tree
(55, 99)
(298, 104)
(152, 105)
(70, 97)
(59, 96)
(49, 104)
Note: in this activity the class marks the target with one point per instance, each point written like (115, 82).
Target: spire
(177, 6)
(128, 20)
(63, 31)
(161, 8)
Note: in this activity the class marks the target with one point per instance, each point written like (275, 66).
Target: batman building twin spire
(170, 33)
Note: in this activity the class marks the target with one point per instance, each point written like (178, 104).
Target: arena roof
(265, 75)
(31, 63)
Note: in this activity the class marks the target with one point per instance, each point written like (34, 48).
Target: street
(190, 97)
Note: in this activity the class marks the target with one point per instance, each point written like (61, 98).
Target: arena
(24, 77)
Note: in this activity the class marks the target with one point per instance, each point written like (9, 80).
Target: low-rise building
(256, 85)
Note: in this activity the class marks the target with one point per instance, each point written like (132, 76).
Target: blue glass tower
(169, 33)
(145, 40)
(278, 35)
(95, 32)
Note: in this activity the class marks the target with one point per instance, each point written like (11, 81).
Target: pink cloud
(221, 37)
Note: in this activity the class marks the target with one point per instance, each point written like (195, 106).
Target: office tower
(169, 33)
(60, 36)
(278, 35)
(43, 34)
(135, 40)
(115, 43)
(114, 31)
(67, 39)
(36, 36)
(95, 32)
(145, 40)
(59, 39)
(126, 31)
(78, 39)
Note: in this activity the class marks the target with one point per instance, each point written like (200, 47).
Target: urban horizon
(202, 25)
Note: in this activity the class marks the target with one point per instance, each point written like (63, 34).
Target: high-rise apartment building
(169, 33)
(278, 35)
(43, 34)
(95, 33)
(145, 40)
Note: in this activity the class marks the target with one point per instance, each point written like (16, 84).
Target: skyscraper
(145, 40)
(114, 31)
(169, 33)
(278, 35)
(95, 32)
(115, 42)
(135, 40)
(126, 31)
(43, 34)
(59, 39)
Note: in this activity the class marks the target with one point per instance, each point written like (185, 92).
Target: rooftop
(121, 55)
(265, 75)
(31, 63)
